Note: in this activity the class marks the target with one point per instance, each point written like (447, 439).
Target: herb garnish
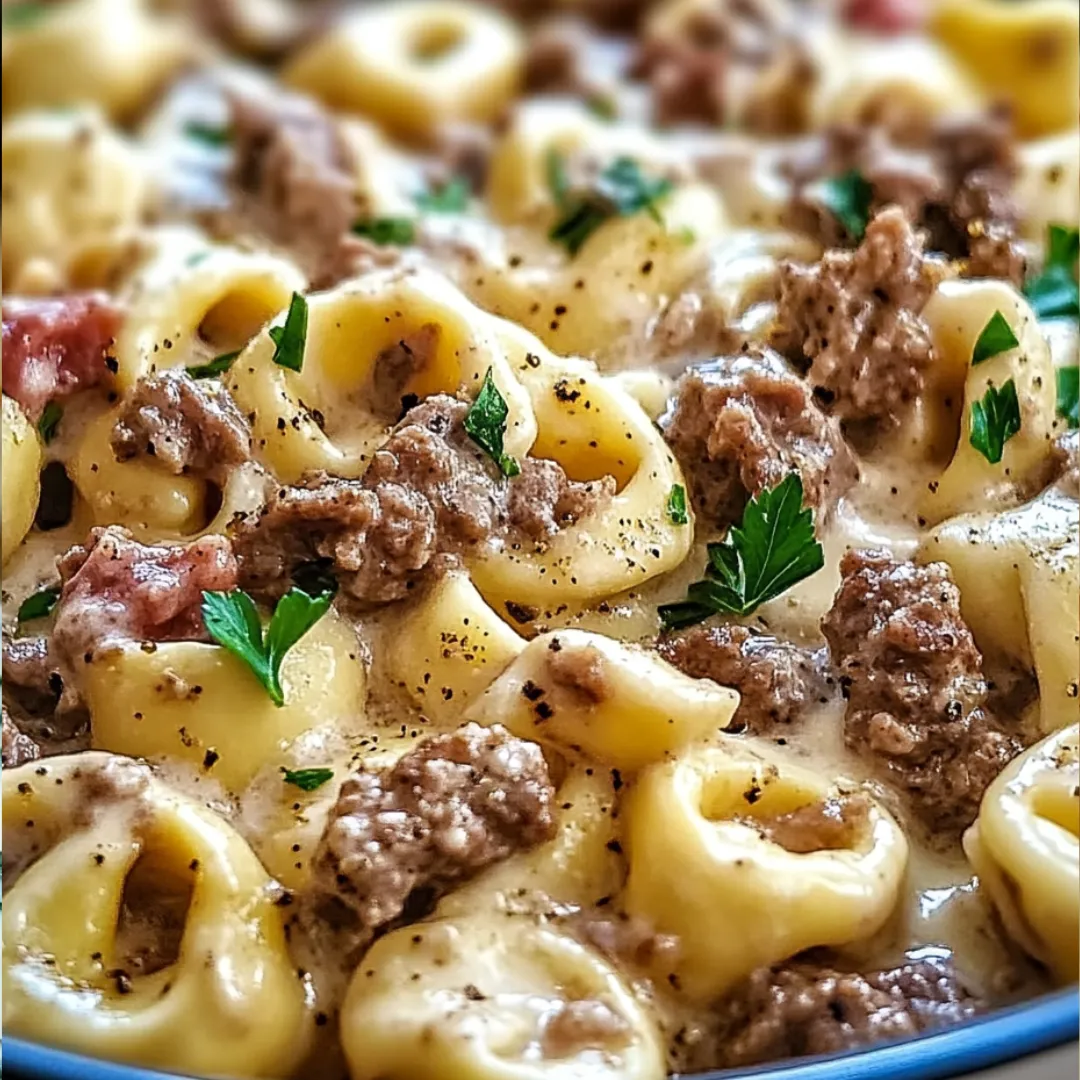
(602, 106)
(1068, 395)
(848, 198)
(996, 337)
(451, 198)
(307, 779)
(676, 505)
(49, 422)
(386, 230)
(233, 622)
(1054, 293)
(769, 551)
(38, 606)
(290, 339)
(485, 423)
(207, 134)
(218, 366)
(994, 421)
(620, 190)
(18, 16)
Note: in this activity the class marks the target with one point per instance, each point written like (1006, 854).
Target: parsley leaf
(602, 106)
(289, 340)
(218, 366)
(676, 505)
(620, 190)
(485, 423)
(994, 421)
(996, 337)
(233, 622)
(50, 422)
(386, 230)
(1054, 293)
(307, 779)
(451, 198)
(39, 605)
(848, 198)
(207, 134)
(1068, 395)
(769, 551)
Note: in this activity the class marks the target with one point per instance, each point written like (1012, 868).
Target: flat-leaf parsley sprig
(233, 622)
(994, 421)
(485, 423)
(769, 551)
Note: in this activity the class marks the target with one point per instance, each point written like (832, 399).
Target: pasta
(537, 544)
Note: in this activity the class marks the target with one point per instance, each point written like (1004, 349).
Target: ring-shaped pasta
(1025, 847)
(585, 693)
(415, 66)
(199, 704)
(230, 1001)
(474, 999)
(190, 294)
(956, 315)
(21, 461)
(348, 328)
(737, 900)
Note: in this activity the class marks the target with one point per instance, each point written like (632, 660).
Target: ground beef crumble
(914, 682)
(741, 423)
(835, 823)
(451, 806)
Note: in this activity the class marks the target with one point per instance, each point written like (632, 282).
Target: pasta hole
(1059, 805)
(153, 913)
(234, 320)
(57, 498)
(435, 42)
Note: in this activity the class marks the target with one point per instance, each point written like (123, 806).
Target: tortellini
(186, 701)
(1025, 847)
(588, 694)
(475, 999)
(79, 832)
(699, 868)
(21, 478)
(1019, 576)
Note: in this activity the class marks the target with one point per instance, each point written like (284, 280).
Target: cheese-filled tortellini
(723, 833)
(21, 480)
(1025, 847)
(135, 918)
(501, 999)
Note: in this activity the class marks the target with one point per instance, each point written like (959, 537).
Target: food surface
(540, 540)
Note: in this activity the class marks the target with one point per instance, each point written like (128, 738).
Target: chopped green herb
(19, 16)
(233, 622)
(207, 134)
(602, 106)
(685, 235)
(996, 337)
(1054, 294)
(772, 549)
(218, 366)
(290, 339)
(848, 199)
(485, 423)
(197, 257)
(307, 779)
(39, 605)
(451, 198)
(994, 421)
(620, 190)
(50, 422)
(387, 230)
(676, 505)
(1068, 395)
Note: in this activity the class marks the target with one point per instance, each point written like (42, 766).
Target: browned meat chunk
(775, 679)
(451, 806)
(429, 494)
(42, 704)
(915, 686)
(188, 426)
(395, 366)
(805, 1008)
(833, 824)
(54, 347)
(854, 317)
(1066, 463)
(118, 590)
(18, 747)
(741, 424)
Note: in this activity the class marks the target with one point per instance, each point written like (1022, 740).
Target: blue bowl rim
(1002, 1036)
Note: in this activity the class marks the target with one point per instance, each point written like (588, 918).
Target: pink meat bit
(117, 590)
(54, 346)
(885, 16)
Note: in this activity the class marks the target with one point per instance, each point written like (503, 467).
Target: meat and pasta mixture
(540, 539)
